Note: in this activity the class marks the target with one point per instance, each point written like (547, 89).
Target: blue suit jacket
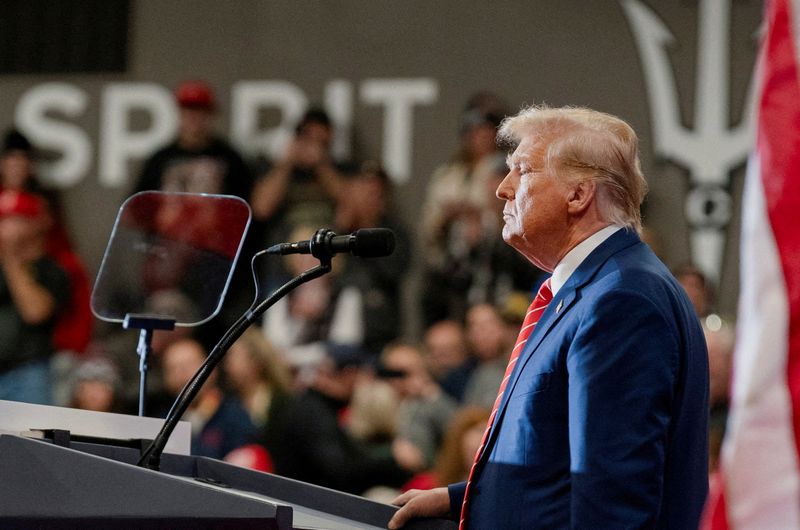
(603, 423)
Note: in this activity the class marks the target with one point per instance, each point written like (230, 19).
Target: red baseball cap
(20, 203)
(195, 95)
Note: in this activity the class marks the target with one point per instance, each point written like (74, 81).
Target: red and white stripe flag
(759, 485)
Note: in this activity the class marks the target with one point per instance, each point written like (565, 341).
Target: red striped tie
(535, 311)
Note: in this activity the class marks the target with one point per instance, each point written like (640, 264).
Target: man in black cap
(198, 161)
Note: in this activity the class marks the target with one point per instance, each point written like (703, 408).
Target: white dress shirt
(575, 257)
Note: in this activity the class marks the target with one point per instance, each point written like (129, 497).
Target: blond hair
(584, 144)
(450, 466)
(271, 366)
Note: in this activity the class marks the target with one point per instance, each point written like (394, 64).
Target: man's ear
(581, 196)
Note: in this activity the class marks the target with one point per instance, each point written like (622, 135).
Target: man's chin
(509, 236)
(517, 244)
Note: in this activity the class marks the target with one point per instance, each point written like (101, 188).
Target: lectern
(78, 480)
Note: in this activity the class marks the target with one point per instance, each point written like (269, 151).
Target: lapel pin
(559, 306)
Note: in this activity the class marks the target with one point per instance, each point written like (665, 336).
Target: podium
(85, 482)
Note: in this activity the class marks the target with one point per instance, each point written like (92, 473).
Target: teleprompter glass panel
(170, 255)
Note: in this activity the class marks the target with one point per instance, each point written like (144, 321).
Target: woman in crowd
(257, 374)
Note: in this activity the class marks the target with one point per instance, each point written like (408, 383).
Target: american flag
(758, 486)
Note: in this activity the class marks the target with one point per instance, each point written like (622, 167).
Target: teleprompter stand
(146, 324)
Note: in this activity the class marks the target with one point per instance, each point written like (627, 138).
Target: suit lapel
(563, 301)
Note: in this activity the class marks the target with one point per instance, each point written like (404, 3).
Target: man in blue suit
(602, 422)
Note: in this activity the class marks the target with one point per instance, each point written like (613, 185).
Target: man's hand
(420, 503)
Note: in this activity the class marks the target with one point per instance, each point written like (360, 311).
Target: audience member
(33, 290)
(303, 186)
(95, 384)
(17, 164)
(219, 423)
(424, 409)
(461, 441)
(489, 343)
(462, 438)
(190, 243)
(199, 161)
(320, 450)
(653, 240)
(720, 341)
(74, 325)
(120, 345)
(313, 314)
(696, 285)
(448, 358)
(196, 161)
(256, 372)
(451, 218)
(372, 415)
(364, 202)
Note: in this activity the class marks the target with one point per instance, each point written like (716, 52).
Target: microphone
(365, 243)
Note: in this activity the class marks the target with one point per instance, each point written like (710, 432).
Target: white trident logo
(711, 150)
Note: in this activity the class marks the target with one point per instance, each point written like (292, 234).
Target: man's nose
(505, 190)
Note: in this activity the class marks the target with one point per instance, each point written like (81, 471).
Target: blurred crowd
(327, 388)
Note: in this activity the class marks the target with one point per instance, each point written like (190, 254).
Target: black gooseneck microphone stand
(151, 456)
